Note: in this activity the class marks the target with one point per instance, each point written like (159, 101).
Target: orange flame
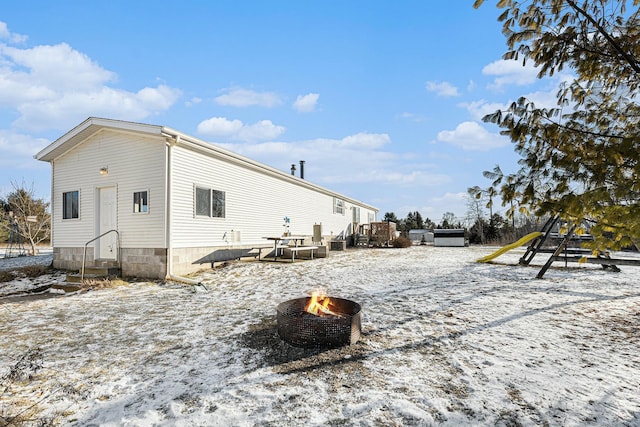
(320, 305)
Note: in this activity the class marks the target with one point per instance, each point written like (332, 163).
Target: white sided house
(164, 201)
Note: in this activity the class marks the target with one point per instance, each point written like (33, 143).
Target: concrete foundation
(136, 262)
(152, 262)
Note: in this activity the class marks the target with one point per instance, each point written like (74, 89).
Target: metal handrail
(84, 252)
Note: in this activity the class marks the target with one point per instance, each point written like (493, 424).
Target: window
(338, 206)
(209, 202)
(203, 201)
(141, 202)
(217, 203)
(372, 217)
(71, 205)
(356, 214)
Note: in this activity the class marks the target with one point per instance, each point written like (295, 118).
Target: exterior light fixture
(104, 170)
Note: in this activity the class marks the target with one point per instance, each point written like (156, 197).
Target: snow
(21, 285)
(446, 341)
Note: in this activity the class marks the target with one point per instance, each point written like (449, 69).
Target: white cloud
(510, 72)
(352, 160)
(264, 129)
(159, 98)
(5, 34)
(420, 178)
(219, 126)
(434, 207)
(17, 150)
(454, 202)
(472, 136)
(193, 101)
(306, 103)
(239, 97)
(412, 117)
(542, 99)
(58, 66)
(66, 109)
(471, 86)
(55, 87)
(479, 109)
(446, 198)
(363, 141)
(235, 129)
(442, 88)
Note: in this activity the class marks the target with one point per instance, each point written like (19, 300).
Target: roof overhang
(94, 125)
(88, 128)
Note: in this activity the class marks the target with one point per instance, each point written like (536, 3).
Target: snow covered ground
(44, 257)
(24, 284)
(446, 341)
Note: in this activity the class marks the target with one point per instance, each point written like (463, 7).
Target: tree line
(414, 221)
(480, 225)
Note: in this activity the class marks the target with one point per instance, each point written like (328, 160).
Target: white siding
(256, 204)
(135, 164)
(449, 241)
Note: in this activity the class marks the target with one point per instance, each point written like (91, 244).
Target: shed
(174, 199)
(418, 236)
(449, 237)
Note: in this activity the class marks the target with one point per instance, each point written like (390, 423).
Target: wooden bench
(295, 249)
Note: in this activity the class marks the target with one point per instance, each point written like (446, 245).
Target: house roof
(88, 128)
(93, 125)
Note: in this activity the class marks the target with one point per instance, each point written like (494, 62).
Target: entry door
(107, 217)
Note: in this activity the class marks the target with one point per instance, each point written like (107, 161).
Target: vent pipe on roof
(293, 169)
(302, 169)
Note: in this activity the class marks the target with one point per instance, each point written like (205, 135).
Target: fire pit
(319, 322)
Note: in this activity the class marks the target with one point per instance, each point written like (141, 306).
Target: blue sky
(383, 100)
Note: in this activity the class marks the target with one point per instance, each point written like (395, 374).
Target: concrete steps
(101, 270)
(66, 287)
(93, 273)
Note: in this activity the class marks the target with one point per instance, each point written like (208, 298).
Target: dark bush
(34, 270)
(6, 276)
(401, 242)
(28, 271)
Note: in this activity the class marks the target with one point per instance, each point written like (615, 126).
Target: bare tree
(22, 213)
(475, 210)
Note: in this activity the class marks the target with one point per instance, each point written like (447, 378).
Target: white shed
(419, 236)
(174, 199)
(448, 237)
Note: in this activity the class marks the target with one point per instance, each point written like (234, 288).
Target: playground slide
(513, 245)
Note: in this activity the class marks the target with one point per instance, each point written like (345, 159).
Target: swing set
(562, 251)
(15, 247)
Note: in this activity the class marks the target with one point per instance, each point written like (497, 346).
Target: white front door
(107, 217)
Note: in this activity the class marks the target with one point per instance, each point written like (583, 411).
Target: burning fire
(320, 305)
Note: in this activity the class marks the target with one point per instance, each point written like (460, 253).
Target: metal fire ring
(302, 329)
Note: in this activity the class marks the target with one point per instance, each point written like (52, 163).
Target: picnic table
(282, 242)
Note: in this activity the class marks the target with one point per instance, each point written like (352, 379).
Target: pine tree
(581, 158)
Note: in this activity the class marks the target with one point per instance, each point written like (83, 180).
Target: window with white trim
(338, 206)
(209, 202)
(71, 205)
(141, 202)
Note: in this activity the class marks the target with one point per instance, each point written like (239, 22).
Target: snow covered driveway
(446, 341)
